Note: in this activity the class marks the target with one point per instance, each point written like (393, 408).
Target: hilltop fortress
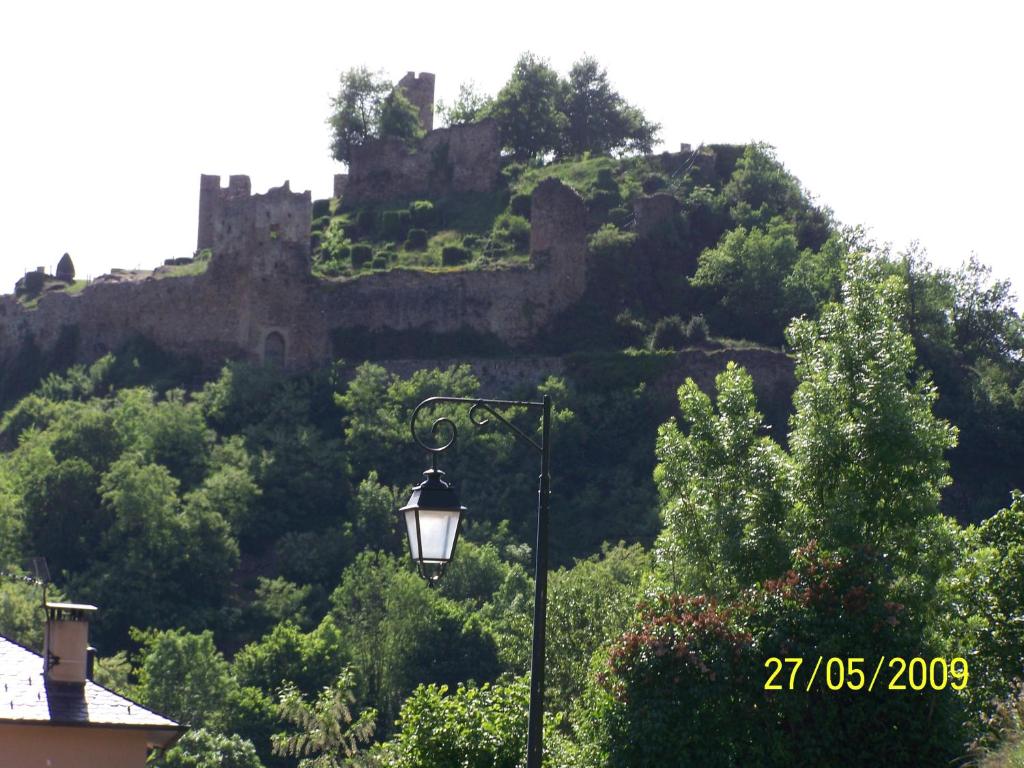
(258, 300)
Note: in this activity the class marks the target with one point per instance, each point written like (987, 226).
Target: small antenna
(34, 571)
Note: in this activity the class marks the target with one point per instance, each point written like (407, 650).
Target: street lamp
(433, 518)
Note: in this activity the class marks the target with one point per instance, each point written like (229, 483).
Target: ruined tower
(212, 198)
(420, 92)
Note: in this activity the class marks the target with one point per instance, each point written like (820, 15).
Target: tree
(724, 493)
(868, 452)
(356, 110)
(328, 733)
(368, 107)
(399, 119)
(202, 748)
(748, 269)
(470, 727)
(184, 676)
(526, 109)
(468, 107)
(597, 118)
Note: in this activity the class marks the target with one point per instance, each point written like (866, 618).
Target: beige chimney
(66, 645)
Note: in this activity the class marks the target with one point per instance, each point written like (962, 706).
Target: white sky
(902, 116)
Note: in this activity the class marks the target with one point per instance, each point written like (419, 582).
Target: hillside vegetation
(239, 532)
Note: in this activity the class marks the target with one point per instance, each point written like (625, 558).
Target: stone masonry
(461, 158)
(258, 299)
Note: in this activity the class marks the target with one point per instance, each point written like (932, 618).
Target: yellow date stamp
(893, 673)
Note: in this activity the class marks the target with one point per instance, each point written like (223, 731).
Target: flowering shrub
(686, 684)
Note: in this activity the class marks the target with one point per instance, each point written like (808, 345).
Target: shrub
(609, 242)
(417, 240)
(394, 224)
(366, 221)
(519, 205)
(669, 333)
(513, 171)
(422, 214)
(513, 229)
(653, 183)
(380, 261)
(360, 254)
(686, 684)
(602, 201)
(497, 249)
(321, 208)
(452, 255)
(605, 180)
(697, 329)
(621, 217)
(471, 241)
(321, 223)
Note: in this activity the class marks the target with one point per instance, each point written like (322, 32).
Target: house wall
(49, 746)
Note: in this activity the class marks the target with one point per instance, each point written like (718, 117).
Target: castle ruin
(258, 300)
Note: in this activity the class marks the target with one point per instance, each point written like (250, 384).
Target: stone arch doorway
(274, 348)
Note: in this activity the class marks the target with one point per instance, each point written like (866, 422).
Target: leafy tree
(578, 624)
(984, 600)
(724, 492)
(469, 106)
(867, 450)
(328, 733)
(761, 188)
(368, 107)
(748, 269)
(598, 120)
(203, 748)
(398, 117)
(308, 661)
(355, 114)
(172, 565)
(184, 676)
(471, 727)
(526, 109)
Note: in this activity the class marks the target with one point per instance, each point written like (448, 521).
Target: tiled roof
(25, 697)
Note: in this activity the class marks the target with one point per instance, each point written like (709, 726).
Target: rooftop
(26, 699)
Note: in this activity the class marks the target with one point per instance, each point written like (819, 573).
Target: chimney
(66, 645)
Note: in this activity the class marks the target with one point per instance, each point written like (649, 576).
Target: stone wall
(461, 158)
(258, 297)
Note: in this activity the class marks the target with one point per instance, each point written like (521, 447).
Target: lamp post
(433, 518)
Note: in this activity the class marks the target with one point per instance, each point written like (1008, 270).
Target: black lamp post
(433, 518)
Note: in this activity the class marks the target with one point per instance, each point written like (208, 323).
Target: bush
(653, 183)
(321, 208)
(417, 240)
(366, 221)
(471, 241)
(394, 224)
(605, 180)
(697, 330)
(602, 202)
(321, 223)
(452, 255)
(519, 205)
(621, 217)
(422, 214)
(669, 333)
(686, 684)
(360, 254)
(513, 229)
(380, 261)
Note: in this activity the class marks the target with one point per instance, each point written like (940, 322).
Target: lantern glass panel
(437, 532)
